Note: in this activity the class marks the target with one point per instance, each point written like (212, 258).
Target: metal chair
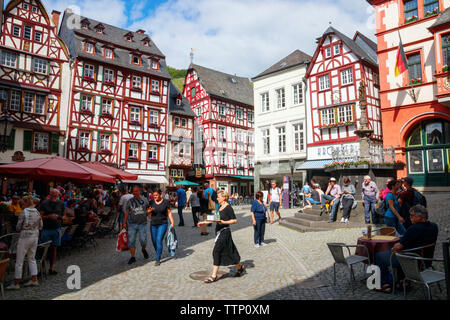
(3, 266)
(11, 240)
(337, 251)
(412, 265)
(41, 256)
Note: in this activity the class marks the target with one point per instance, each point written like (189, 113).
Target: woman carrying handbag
(259, 219)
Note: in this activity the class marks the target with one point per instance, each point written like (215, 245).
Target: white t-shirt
(275, 194)
(124, 199)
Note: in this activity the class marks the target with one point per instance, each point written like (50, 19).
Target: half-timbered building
(223, 104)
(119, 98)
(180, 147)
(34, 86)
(338, 66)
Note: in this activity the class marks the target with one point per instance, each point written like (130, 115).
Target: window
(183, 122)
(86, 103)
(85, 25)
(281, 139)
(40, 104)
(376, 80)
(347, 76)
(324, 82)
(129, 38)
(34, 9)
(28, 101)
(446, 49)
(41, 142)
(193, 93)
(27, 32)
(40, 66)
(198, 111)
(250, 116)
(25, 6)
(328, 117)
(265, 102)
(174, 172)
(299, 143)
(133, 151)
(337, 49)
(105, 142)
(240, 161)
(107, 107)
(222, 133)
(410, 9)
(251, 162)
(136, 60)
(430, 7)
(15, 100)
(135, 114)
(345, 113)
(155, 86)
(239, 114)
(187, 149)
(414, 67)
(178, 102)
(9, 59)
(154, 117)
(434, 133)
(152, 152)
(177, 121)
(281, 101)
(84, 140)
(37, 36)
(4, 94)
(328, 52)
(223, 158)
(108, 53)
(154, 65)
(250, 137)
(99, 30)
(89, 71)
(89, 47)
(147, 43)
(266, 140)
(298, 93)
(137, 82)
(16, 31)
(239, 135)
(108, 76)
(222, 110)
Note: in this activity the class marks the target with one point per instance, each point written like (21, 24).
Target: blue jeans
(394, 222)
(158, 232)
(180, 214)
(369, 208)
(133, 231)
(382, 259)
(51, 234)
(312, 201)
(259, 229)
(335, 206)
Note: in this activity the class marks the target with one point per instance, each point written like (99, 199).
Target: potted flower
(415, 81)
(153, 160)
(107, 114)
(432, 12)
(411, 19)
(135, 122)
(445, 68)
(133, 158)
(153, 125)
(251, 167)
(85, 110)
(89, 77)
(105, 151)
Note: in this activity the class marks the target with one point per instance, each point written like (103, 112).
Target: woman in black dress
(225, 252)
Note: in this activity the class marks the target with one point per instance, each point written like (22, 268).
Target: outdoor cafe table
(376, 244)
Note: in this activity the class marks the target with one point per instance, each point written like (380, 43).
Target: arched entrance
(428, 153)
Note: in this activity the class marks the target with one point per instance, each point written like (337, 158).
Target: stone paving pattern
(273, 272)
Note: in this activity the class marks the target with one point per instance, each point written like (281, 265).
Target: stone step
(324, 223)
(313, 217)
(299, 227)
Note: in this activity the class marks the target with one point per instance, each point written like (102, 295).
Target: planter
(110, 83)
(88, 112)
(107, 115)
(152, 160)
(134, 123)
(412, 19)
(156, 93)
(153, 125)
(105, 151)
(88, 79)
(83, 150)
(132, 159)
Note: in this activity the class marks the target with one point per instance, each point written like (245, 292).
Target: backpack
(419, 199)
(211, 204)
(214, 196)
(382, 208)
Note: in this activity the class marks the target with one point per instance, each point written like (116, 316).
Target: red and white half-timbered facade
(34, 91)
(223, 104)
(338, 66)
(119, 99)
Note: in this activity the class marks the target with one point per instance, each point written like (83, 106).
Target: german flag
(400, 60)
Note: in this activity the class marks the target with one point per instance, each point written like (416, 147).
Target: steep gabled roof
(185, 108)
(296, 58)
(225, 85)
(443, 18)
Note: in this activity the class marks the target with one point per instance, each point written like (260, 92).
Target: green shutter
(55, 143)
(27, 137)
(12, 137)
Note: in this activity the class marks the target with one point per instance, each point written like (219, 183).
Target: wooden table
(376, 244)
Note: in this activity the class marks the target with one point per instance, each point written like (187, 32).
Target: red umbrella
(55, 168)
(117, 173)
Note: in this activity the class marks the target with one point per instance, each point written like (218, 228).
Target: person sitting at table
(14, 206)
(421, 233)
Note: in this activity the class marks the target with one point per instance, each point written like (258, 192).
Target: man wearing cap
(370, 196)
(333, 194)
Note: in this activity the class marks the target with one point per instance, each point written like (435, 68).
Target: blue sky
(242, 37)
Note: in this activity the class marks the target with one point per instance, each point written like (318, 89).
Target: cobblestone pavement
(277, 271)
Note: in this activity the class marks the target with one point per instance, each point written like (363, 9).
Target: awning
(149, 180)
(243, 177)
(314, 164)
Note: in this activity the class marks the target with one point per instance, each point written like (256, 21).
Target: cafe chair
(412, 265)
(41, 256)
(337, 251)
(385, 231)
(3, 266)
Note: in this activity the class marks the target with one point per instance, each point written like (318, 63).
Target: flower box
(445, 68)
(432, 13)
(415, 81)
(135, 123)
(251, 167)
(90, 79)
(105, 151)
(136, 89)
(152, 160)
(86, 111)
(133, 159)
(83, 149)
(337, 124)
(223, 166)
(412, 19)
(106, 115)
(156, 92)
(153, 125)
(110, 83)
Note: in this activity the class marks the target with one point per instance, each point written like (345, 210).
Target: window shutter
(55, 143)
(27, 137)
(12, 137)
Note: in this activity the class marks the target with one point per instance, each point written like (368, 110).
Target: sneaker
(144, 252)
(204, 233)
(331, 221)
(346, 220)
(52, 272)
(13, 287)
(257, 245)
(343, 220)
(31, 283)
(181, 225)
(132, 260)
(157, 263)
(263, 244)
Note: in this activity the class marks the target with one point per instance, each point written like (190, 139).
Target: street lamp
(6, 126)
(292, 165)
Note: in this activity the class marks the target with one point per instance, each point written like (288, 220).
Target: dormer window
(85, 26)
(178, 102)
(136, 60)
(99, 28)
(108, 53)
(34, 9)
(155, 65)
(129, 37)
(89, 48)
(147, 43)
(25, 6)
(328, 52)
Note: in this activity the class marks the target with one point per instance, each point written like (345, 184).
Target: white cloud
(246, 37)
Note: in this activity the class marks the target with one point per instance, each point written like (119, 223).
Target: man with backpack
(409, 198)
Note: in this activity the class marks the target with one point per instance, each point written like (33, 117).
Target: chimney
(68, 10)
(55, 19)
(140, 31)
